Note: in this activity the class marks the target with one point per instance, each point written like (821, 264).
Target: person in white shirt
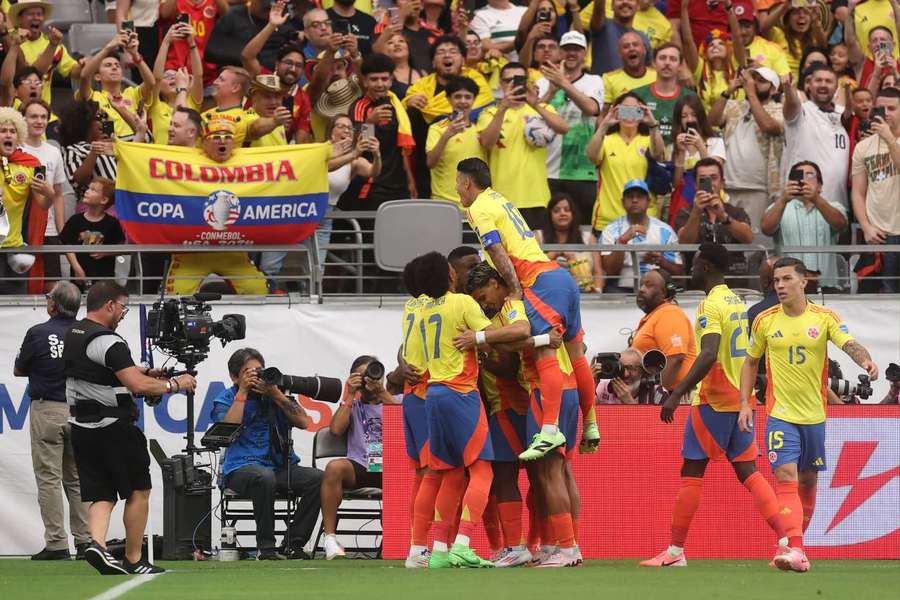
(636, 227)
(37, 115)
(578, 98)
(496, 24)
(814, 132)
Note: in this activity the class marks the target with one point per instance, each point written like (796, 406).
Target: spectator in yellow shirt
(760, 52)
(634, 72)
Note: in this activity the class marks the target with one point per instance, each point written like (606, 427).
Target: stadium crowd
(615, 121)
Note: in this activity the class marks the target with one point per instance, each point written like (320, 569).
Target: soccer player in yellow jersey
(712, 431)
(794, 336)
(458, 439)
(550, 294)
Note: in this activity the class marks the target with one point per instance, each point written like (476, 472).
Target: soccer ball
(537, 132)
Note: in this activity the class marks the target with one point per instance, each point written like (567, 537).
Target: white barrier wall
(309, 339)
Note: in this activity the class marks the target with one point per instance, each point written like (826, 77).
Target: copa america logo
(221, 209)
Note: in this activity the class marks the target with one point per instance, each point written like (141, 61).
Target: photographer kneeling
(254, 464)
(359, 418)
(630, 386)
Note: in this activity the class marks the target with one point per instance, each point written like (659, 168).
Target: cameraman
(254, 465)
(40, 359)
(359, 418)
(631, 388)
(110, 450)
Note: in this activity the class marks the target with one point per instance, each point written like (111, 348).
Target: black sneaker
(294, 553)
(103, 561)
(79, 550)
(142, 567)
(51, 555)
(270, 554)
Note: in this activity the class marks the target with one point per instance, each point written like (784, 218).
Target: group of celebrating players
(508, 331)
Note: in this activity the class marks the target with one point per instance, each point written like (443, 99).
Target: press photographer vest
(78, 366)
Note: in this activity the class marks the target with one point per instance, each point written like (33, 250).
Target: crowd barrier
(307, 338)
(628, 489)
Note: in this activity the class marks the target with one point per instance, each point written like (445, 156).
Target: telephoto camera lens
(374, 372)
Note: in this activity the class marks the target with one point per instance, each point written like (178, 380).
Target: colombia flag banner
(176, 195)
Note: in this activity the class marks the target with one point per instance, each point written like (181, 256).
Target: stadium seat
(237, 510)
(405, 229)
(88, 38)
(68, 12)
(327, 445)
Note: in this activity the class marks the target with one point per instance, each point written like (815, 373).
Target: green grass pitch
(369, 579)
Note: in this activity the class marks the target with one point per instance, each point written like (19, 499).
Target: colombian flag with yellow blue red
(176, 195)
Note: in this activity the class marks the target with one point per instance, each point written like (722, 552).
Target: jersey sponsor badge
(676, 341)
(209, 12)
(19, 178)
(513, 314)
(843, 328)
(702, 322)
(813, 332)
(773, 456)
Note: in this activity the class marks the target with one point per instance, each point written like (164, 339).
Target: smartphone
(876, 112)
(692, 127)
(394, 15)
(384, 100)
(520, 84)
(367, 130)
(456, 115)
(885, 47)
(107, 127)
(184, 18)
(796, 175)
(288, 103)
(40, 173)
(129, 26)
(630, 113)
(543, 15)
(704, 184)
(340, 26)
(140, 106)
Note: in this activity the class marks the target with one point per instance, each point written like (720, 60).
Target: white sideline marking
(125, 587)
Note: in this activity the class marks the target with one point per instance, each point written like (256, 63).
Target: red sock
(417, 482)
(446, 506)
(791, 511)
(476, 497)
(491, 520)
(575, 528)
(562, 529)
(548, 534)
(534, 521)
(423, 509)
(686, 503)
(511, 521)
(551, 380)
(808, 500)
(586, 389)
(766, 501)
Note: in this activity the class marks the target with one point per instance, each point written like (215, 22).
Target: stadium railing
(349, 269)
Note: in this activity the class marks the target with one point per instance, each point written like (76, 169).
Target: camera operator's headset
(671, 288)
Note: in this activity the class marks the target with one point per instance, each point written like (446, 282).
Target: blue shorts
(507, 435)
(415, 429)
(457, 428)
(554, 300)
(800, 444)
(714, 435)
(568, 417)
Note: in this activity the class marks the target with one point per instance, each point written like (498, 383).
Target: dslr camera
(844, 388)
(611, 367)
(326, 389)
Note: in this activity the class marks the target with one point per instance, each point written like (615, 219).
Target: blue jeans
(891, 266)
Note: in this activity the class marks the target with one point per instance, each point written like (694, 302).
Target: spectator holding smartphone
(625, 135)
(871, 37)
(876, 182)
(453, 139)
(802, 217)
(496, 25)
(86, 136)
(175, 86)
(347, 20)
(200, 16)
(235, 29)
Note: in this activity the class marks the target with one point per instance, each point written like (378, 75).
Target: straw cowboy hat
(21, 5)
(338, 97)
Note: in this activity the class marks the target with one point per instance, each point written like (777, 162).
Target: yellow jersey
(871, 14)
(63, 63)
(438, 103)
(412, 351)
(616, 83)
(235, 114)
(439, 320)
(461, 146)
(496, 221)
(501, 393)
(723, 312)
(276, 137)
(796, 350)
(620, 162)
(518, 169)
(132, 97)
(765, 53)
(160, 115)
(16, 189)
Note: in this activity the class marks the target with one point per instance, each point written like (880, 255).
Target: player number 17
(437, 322)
